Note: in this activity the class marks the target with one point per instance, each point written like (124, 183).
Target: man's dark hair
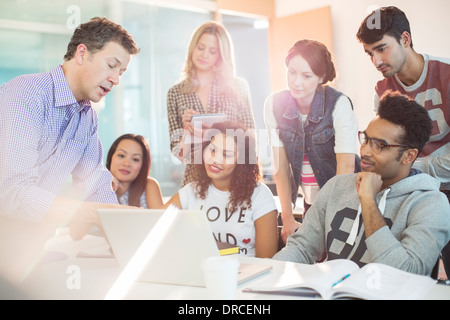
(411, 116)
(392, 22)
(98, 32)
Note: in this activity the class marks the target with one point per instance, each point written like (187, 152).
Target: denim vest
(315, 136)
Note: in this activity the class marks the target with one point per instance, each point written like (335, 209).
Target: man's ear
(409, 156)
(81, 53)
(405, 39)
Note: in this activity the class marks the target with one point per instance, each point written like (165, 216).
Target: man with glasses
(389, 212)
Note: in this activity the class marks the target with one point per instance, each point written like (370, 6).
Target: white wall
(430, 28)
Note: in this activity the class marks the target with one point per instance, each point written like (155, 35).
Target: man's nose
(377, 59)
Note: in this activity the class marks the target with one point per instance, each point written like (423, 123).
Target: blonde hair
(225, 65)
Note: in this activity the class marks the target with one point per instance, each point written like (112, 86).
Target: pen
(342, 279)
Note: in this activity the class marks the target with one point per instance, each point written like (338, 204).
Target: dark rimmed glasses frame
(377, 145)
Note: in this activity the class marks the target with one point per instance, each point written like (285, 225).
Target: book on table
(226, 248)
(343, 279)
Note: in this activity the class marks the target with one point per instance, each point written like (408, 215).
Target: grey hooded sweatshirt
(417, 215)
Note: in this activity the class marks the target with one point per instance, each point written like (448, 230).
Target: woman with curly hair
(227, 187)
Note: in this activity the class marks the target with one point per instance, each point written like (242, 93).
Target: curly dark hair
(403, 111)
(247, 173)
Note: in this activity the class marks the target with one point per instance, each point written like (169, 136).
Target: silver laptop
(183, 245)
(177, 259)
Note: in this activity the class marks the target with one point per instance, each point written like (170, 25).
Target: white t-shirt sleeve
(345, 126)
(262, 201)
(185, 194)
(271, 123)
(344, 122)
(376, 102)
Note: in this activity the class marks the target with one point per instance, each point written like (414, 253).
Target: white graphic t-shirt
(237, 228)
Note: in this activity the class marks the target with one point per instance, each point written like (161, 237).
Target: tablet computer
(207, 120)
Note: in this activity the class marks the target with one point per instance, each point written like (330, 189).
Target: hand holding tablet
(205, 121)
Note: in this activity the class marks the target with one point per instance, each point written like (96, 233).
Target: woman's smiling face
(220, 159)
(126, 162)
(206, 53)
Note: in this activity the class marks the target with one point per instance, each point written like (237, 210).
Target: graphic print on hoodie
(416, 214)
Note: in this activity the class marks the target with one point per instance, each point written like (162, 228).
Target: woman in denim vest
(312, 129)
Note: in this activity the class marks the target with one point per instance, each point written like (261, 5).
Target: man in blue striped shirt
(49, 132)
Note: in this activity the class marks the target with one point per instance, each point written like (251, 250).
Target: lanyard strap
(381, 206)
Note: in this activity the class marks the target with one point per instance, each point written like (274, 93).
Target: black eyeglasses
(375, 144)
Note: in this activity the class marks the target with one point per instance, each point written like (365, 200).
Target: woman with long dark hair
(129, 162)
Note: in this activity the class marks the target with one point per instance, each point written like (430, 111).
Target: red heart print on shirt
(246, 241)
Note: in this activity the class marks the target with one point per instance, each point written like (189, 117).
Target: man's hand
(290, 225)
(115, 184)
(368, 184)
(85, 216)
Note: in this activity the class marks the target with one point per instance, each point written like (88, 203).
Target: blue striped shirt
(46, 136)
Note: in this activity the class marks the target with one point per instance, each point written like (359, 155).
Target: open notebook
(343, 279)
(181, 248)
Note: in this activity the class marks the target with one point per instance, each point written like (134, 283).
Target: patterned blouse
(143, 200)
(237, 107)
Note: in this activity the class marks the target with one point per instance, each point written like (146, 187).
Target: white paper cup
(221, 277)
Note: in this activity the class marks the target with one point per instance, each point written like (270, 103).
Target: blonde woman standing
(208, 86)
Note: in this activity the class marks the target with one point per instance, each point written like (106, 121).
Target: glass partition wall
(34, 37)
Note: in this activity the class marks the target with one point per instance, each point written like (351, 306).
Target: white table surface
(70, 277)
